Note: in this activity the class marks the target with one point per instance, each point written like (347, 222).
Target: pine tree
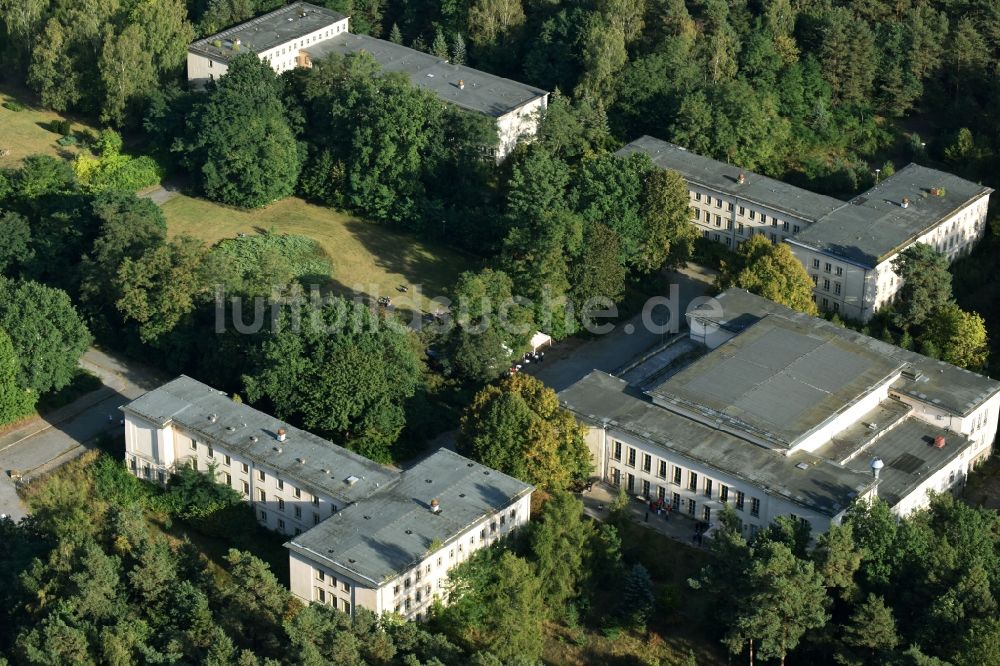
(15, 401)
(458, 49)
(439, 47)
(637, 596)
(872, 629)
(395, 36)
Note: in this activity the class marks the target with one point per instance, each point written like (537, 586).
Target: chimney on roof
(939, 442)
(236, 41)
(281, 434)
(742, 178)
(937, 191)
(435, 506)
(461, 84)
(877, 466)
(905, 203)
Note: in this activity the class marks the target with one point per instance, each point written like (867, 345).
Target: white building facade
(301, 33)
(784, 415)
(329, 500)
(848, 248)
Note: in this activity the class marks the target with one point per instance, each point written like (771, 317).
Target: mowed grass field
(366, 258)
(25, 132)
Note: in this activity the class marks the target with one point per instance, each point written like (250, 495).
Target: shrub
(304, 256)
(61, 127)
(115, 172)
(13, 106)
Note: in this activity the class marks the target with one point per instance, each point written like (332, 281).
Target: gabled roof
(875, 225)
(308, 459)
(391, 531)
(722, 177)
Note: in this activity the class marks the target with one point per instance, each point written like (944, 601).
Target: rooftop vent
(277, 449)
(213, 418)
(939, 442)
(301, 461)
(351, 480)
(461, 84)
(281, 434)
(872, 426)
(253, 438)
(937, 191)
(905, 203)
(877, 466)
(231, 428)
(802, 465)
(742, 178)
(435, 506)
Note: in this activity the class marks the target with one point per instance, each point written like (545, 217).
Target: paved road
(44, 443)
(569, 361)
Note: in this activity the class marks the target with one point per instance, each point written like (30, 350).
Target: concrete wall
(730, 220)
(519, 124)
(771, 505)
(289, 506)
(848, 417)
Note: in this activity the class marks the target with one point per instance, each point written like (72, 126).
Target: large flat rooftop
(389, 532)
(266, 31)
(722, 177)
(821, 485)
(778, 381)
(313, 462)
(875, 225)
(928, 380)
(482, 92)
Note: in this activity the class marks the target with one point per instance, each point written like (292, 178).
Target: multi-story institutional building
(298, 34)
(787, 414)
(361, 534)
(848, 248)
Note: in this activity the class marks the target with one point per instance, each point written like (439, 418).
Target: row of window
(696, 213)
(828, 267)
(826, 284)
(332, 581)
(321, 596)
(743, 211)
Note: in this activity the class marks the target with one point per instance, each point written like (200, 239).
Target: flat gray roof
(779, 380)
(874, 225)
(391, 531)
(928, 380)
(909, 456)
(822, 486)
(313, 462)
(484, 93)
(721, 177)
(267, 31)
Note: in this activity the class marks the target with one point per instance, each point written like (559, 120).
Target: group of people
(529, 357)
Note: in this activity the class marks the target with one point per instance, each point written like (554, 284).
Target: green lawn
(25, 132)
(366, 258)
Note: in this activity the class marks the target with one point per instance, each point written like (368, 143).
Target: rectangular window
(707, 513)
(245, 468)
(840, 270)
(246, 487)
(729, 241)
(826, 303)
(321, 595)
(296, 493)
(226, 460)
(743, 211)
(739, 499)
(631, 458)
(836, 307)
(697, 213)
(753, 215)
(315, 519)
(724, 492)
(645, 488)
(320, 575)
(281, 484)
(315, 501)
(692, 481)
(827, 267)
(836, 288)
(347, 607)
(194, 464)
(194, 445)
(647, 462)
(729, 225)
(677, 475)
(739, 228)
(826, 284)
(795, 228)
(211, 452)
(718, 203)
(344, 586)
(229, 479)
(281, 504)
(616, 451)
(708, 200)
(774, 239)
(261, 496)
(763, 218)
(616, 476)
(662, 469)
(729, 207)
(697, 196)
(784, 226)
(661, 492)
(692, 507)
(708, 487)
(260, 475)
(298, 511)
(754, 506)
(675, 501)
(263, 516)
(815, 263)
(630, 484)
(815, 280)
